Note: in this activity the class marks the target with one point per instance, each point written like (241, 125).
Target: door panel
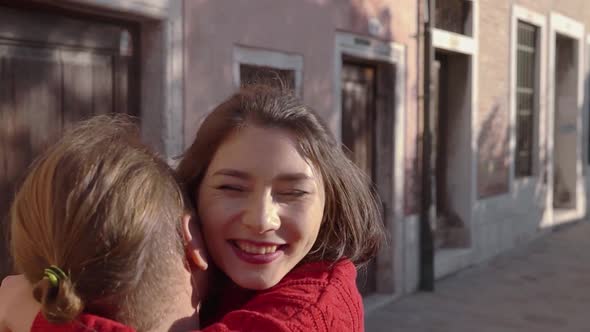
(30, 112)
(54, 71)
(358, 135)
(358, 112)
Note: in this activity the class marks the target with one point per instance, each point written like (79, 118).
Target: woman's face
(261, 205)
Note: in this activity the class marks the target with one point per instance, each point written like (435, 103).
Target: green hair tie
(54, 274)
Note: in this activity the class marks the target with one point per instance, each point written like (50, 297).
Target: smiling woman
(286, 216)
(261, 206)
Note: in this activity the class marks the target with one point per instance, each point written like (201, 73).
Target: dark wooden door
(359, 135)
(55, 69)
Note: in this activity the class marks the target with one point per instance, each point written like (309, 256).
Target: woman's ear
(195, 249)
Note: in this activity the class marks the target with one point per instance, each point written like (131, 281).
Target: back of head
(104, 209)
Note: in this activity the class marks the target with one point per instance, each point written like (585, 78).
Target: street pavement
(543, 286)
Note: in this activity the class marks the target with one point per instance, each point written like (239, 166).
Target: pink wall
(307, 28)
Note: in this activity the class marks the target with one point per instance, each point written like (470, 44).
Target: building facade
(509, 101)
(510, 119)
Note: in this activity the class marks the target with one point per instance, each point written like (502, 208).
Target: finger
(187, 236)
(6, 281)
(194, 247)
(198, 259)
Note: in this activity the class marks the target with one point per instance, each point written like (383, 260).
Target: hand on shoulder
(18, 308)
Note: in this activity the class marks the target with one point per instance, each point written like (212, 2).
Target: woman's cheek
(307, 216)
(302, 211)
(218, 210)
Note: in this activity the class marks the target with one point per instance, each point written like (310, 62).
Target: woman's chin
(256, 281)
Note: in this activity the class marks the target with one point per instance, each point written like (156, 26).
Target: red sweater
(312, 297)
(84, 323)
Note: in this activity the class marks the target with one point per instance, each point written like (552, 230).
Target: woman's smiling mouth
(257, 252)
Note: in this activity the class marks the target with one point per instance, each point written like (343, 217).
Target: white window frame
(454, 42)
(540, 21)
(267, 58)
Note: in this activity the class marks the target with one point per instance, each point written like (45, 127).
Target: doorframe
(448, 262)
(560, 24)
(586, 120)
(389, 276)
(586, 112)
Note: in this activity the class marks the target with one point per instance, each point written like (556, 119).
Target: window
(283, 78)
(454, 16)
(276, 68)
(526, 97)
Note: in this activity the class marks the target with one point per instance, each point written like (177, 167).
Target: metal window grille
(526, 95)
(452, 15)
(282, 78)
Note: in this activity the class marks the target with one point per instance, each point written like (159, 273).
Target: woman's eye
(227, 187)
(293, 193)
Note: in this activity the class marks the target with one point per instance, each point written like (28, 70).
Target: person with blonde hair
(96, 230)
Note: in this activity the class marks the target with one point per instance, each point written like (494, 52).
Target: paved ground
(542, 287)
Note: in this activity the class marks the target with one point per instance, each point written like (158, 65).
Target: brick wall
(493, 110)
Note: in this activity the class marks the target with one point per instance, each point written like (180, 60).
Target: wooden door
(359, 135)
(55, 69)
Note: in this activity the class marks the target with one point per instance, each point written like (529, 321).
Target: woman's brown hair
(352, 225)
(106, 210)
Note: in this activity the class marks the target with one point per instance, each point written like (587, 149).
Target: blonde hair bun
(59, 304)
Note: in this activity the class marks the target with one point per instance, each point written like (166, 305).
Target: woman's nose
(262, 214)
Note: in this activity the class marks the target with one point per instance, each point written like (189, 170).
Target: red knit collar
(84, 323)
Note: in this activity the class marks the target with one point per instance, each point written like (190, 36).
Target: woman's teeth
(257, 250)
